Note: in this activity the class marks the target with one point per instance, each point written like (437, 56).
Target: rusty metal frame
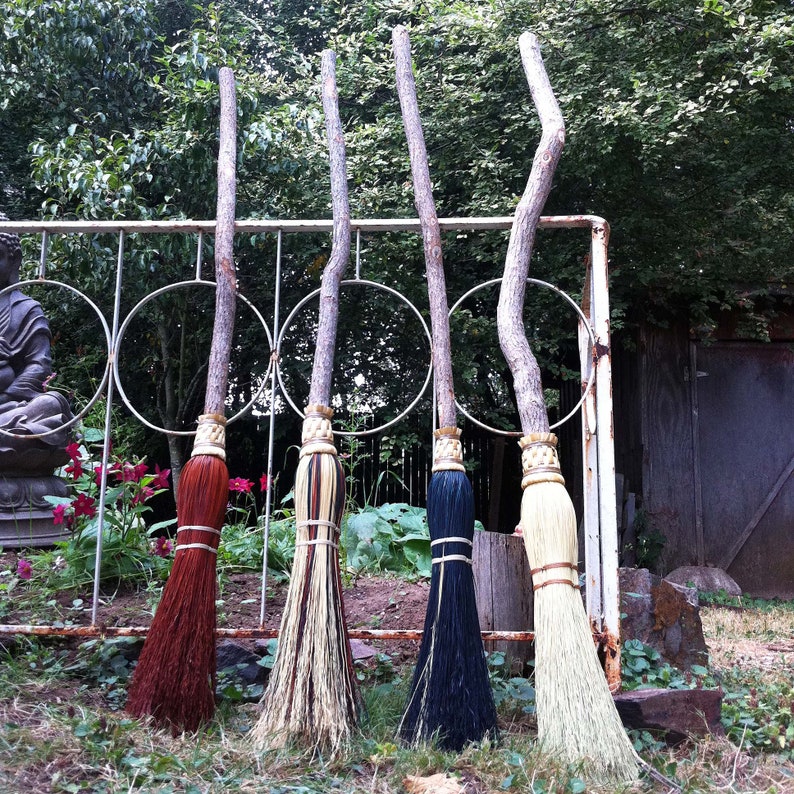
(600, 509)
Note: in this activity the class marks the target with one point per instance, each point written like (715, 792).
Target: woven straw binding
(539, 460)
(448, 451)
(210, 436)
(317, 436)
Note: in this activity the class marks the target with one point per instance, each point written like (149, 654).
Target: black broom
(174, 680)
(577, 718)
(451, 698)
(312, 699)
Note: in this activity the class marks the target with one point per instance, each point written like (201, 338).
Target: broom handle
(225, 278)
(509, 314)
(322, 371)
(431, 234)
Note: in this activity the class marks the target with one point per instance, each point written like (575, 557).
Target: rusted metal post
(605, 442)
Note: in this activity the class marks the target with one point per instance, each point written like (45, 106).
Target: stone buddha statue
(27, 458)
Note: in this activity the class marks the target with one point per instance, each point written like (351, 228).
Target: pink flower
(75, 469)
(24, 569)
(98, 476)
(73, 451)
(138, 470)
(133, 473)
(84, 506)
(241, 485)
(58, 514)
(160, 477)
(264, 483)
(143, 495)
(162, 547)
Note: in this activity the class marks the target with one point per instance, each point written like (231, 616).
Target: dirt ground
(370, 603)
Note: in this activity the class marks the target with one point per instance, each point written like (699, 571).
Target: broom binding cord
(210, 436)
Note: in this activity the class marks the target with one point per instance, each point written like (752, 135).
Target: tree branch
(225, 277)
(322, 371)
(431, 233)
(509, 319)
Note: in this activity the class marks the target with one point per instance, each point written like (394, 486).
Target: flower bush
(130, 548)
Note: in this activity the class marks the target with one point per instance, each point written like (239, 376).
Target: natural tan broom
(312, 699)
(174, 680)
(577, 718)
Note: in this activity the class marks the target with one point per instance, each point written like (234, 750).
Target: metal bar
(605, 441)
(103, 477)
(199, 245)
(271, 431)
(305, 226)
(700, 540)
(12, 629)
(594, 599)
(45, 241)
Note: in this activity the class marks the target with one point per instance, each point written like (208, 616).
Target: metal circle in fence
(405, 302)
(590, 334)
(103, 383)
(150, 297)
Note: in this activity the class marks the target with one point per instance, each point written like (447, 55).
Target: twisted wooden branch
(509, 319)
(322, 371)
(431, 234)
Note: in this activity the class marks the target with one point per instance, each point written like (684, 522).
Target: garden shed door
(743, 434)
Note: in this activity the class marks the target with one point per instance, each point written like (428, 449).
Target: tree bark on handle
(322, 371)
(225, 276)
(431, 234)
(509, 314)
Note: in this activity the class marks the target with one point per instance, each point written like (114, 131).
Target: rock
(705, 579)
(663, 616)
(361, 650)
(678, 712)
(231, 656)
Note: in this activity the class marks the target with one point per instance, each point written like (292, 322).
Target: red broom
(451, 698)
(174, 681)
(577, 718)
(312, 699)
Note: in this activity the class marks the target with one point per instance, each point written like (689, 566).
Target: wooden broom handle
(322, 370)
(225, 277)
(509, 315)
(431, 234)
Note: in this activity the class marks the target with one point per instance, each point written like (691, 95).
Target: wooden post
(503, 585)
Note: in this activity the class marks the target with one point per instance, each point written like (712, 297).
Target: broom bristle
(451, 698)
(312, 699)
(577, 718)
(174, 680)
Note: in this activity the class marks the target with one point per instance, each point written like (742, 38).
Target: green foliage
(512, 694)
(107, 665)
(391, 537)
(650, 541)
(642, 668)
(757, 712)
(130, 548)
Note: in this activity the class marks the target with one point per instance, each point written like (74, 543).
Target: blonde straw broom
(312, 700)
(577, 718)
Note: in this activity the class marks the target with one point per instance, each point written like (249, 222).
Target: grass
(63, 729)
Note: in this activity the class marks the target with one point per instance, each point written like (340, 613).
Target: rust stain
(600, 350)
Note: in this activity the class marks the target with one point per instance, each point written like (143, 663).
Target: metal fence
(594, 408)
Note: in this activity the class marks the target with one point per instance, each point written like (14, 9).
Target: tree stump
(503, 585)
